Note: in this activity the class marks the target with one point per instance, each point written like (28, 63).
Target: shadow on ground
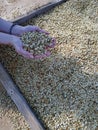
(62, 95)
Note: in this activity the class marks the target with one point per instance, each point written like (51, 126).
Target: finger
(52, 44)
(43, 31)
(27, 54)
(24, 53)
(36, 28)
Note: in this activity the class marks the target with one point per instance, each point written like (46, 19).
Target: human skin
(13, 39)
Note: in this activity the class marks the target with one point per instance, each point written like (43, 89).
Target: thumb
(24, 53)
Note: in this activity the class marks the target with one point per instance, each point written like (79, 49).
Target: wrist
(6, 39)
(11, 28)
(17, 29)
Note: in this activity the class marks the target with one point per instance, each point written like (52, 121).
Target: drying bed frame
(13, 91)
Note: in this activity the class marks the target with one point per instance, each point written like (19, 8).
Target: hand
(30, 28)
(18, 45)
(19, 30)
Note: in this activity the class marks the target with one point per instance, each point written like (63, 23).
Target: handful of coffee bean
(36, 42)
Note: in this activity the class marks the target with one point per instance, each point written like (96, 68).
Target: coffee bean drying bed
(13, 91)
